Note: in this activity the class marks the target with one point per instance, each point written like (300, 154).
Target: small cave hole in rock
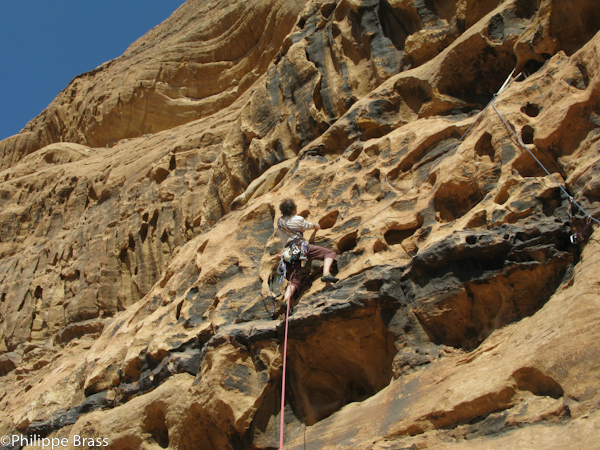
(469, 312)
(532, 66)
(329, 220)
(452, 201)
(338, 362)
(123, 256)
(348, 242)
(528, 167)
(484, 146)
(525, 9)
(414, 92)
(530, 109)
(39, 292)
(379, 246)
(393, 237)
(131, 243)
(144, 232)
(471, 239)
(327, 9)
(354, 153)
(178, 311)
(155, 424)
(160, 174)
(527, 134)
(395, 27)
(154, 219)
(104, 196)
(172, 163)
(533, 380)
(202, 247)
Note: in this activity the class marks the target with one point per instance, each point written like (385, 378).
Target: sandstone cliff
(137, 231)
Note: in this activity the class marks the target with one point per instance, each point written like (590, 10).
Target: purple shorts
(314, 252)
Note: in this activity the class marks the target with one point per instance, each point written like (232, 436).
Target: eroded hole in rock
(348, 242)
(354, 153)
(530, 109)
(341, 360)
(396, 27)
(329, 220)
(379, 246)
(202, 247)
(452, 201)
(155, 424)
(463, 315)
(396, 236)
(104, 196)
(484, 146)
(144, 232)
(525, 9)
(154, 219)
(532, 66)
(160, 174)
(92, 193)
(178, 310)
(327, 9)
(533, 380)
(528, 134)
(172, 163)
(471, 240)
(131, 243)
(414, 92)
(373, 182)
(528, 167)
(123, 256)
(496, 28)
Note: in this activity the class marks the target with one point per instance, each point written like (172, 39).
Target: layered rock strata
(138, 240)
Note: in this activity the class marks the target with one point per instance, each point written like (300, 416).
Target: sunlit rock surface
(138, 243)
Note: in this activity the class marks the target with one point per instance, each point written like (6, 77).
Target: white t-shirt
(296, 223)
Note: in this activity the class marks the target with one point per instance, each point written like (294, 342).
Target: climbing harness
(295, 251)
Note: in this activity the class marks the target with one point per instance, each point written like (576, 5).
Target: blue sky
(44, 44)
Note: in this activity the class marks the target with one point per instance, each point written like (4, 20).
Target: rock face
(138, 232)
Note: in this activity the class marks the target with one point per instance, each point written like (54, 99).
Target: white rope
(520, 141)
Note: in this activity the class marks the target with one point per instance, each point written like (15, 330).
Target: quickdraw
(575, 237)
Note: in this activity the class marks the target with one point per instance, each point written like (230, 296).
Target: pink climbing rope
(287, 316)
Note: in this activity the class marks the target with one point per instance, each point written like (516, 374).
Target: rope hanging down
(522, 144)
(285, 341)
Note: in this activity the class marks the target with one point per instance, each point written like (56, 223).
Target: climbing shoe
(329, 279)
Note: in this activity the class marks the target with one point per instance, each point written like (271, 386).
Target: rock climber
(290, 228)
